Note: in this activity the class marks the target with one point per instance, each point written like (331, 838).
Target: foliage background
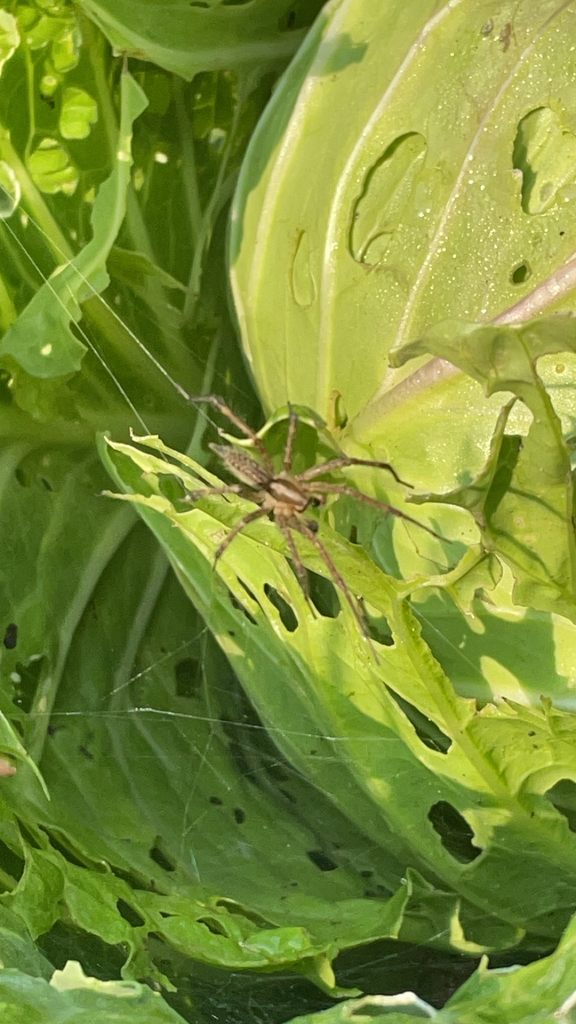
(192, 833)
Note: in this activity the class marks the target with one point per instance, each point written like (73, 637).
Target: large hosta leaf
(442, 786)
(443, 188)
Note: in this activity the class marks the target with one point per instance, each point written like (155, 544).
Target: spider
(286, 496)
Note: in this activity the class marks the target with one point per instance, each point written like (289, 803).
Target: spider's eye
(315, 502)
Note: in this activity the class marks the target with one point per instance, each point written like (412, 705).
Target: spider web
(154, 755)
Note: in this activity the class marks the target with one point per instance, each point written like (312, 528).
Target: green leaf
(467, 803)
(542, 991)
(71, 995)
(206, 37)
(51, 168)
(78, 113)
(378, 247)
(523, 499)
(9, 36)
(41, 339)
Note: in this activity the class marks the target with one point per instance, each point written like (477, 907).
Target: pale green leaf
(9, 36)
(51, 168)
(78, 113)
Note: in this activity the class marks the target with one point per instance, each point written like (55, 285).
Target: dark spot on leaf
(239, 815)
(188, 675)
(231, 632)
(85, 752)
(353, 535)
(289, 796)
(49, 100)
(321, 860)
(531, 733)
(285, 611)
(160, 858)
(11, 636)
(291, 19)
(454, 831)
(521, 273)
(46, 484)
(506, 35)
(129, 913)
(367, 873)
(216, 801)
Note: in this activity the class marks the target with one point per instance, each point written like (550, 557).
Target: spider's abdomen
(244, 468)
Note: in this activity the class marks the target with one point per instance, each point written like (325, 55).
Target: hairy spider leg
(346, 460)
(220, 404)
(284, 526)
(296, 524)
(288, 451)
(320, 487)
(245, 521)
(229, 489)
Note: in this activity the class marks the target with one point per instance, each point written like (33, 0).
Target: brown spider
(286, 496)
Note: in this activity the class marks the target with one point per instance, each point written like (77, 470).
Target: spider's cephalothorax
(286, 496)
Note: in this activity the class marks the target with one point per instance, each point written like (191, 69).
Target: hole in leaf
(321, 860)
(188, 675)
(285, 611)
(27, 683)
(216, 801)
(66, 853)
(545, 154)
(426, 730)
(241, 911)
(12, 864)
(171, 487)
(521, 273)
(129, 914)
(240, 607)
(157, 854)
(10, 636)
(239, 816)
(379, 630)
(454, 831)
(213, 925)
(323, 595)
(563, 796)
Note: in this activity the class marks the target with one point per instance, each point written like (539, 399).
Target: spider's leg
(229, 489)
(300, 570)
(324, 488)
(297, 524)
(292, 424)
(220, 404)
(345, 460)
(245, 521)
